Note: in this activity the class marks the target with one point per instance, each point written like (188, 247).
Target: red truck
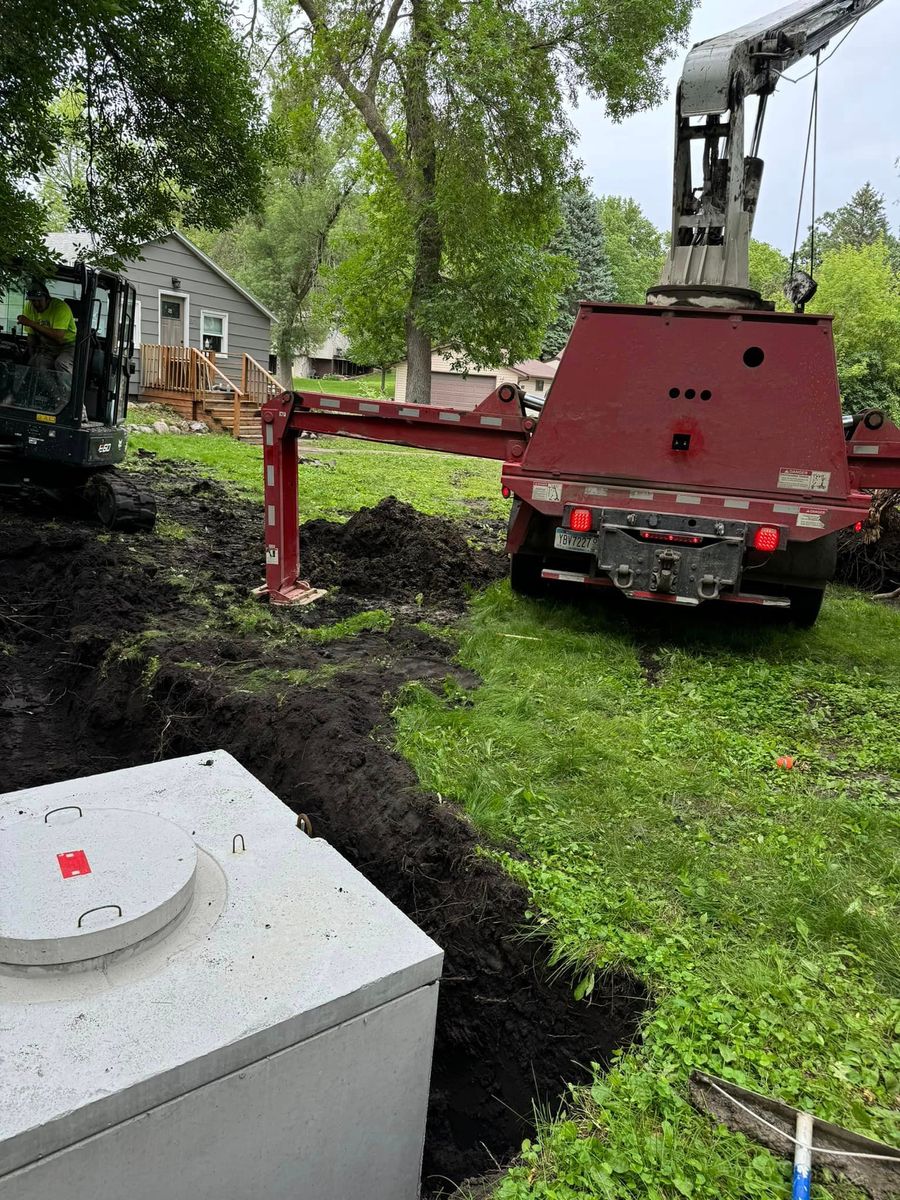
(690, 449)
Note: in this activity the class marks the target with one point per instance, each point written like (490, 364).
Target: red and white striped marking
(431, 415)
(548, 495)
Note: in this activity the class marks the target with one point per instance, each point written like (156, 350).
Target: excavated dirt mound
(117, 651)
(395, 552)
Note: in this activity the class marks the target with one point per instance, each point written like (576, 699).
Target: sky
(859, 127)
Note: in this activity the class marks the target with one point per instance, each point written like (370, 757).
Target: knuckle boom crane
(690, 449)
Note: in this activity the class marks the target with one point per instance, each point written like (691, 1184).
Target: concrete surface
(287, 985)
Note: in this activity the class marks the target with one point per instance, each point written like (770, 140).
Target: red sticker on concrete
(73, 862)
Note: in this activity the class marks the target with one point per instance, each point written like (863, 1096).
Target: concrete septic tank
(199, 1001)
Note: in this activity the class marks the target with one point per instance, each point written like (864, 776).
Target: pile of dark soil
(119, 650)
(395, 552)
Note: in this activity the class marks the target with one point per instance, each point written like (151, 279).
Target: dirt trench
(107, 661)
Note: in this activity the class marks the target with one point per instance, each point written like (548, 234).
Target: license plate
(582, 543)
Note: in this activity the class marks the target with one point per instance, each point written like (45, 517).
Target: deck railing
(170, 368)
(187, 374)
(257, 383)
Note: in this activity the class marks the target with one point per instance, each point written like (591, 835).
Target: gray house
(203, 341)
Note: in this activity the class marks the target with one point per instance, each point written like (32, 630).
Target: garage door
(459, 391)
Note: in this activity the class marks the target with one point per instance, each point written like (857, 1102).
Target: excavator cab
(63, 433)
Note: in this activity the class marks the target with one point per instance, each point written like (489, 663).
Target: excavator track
(120, 504)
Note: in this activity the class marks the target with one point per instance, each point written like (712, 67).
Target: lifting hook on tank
(100, 907)
(63, 808)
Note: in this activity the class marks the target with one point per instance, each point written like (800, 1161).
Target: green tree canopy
(366, 286)
(465, 104)
(498, 285)
(277, 252)
(580, 240)
(168, 119)
(862, 221)
(858, 285)
(635, 248)
(769, 269)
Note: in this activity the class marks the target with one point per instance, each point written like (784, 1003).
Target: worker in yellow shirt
(51, 331)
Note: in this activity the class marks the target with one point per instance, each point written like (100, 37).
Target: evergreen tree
(862, 221)
(580, 239)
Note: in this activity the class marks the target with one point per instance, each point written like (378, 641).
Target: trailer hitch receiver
(670, 555)
(665, 577)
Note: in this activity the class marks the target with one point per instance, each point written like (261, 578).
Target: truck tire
(525, 573)
(803, 564)
(806, 604)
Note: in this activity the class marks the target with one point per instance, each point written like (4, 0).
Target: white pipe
(802, 1157)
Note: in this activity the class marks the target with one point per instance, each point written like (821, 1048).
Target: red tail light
(505, 492)
(858, 527)
(683, 539)
(580, 520)
(766, 539)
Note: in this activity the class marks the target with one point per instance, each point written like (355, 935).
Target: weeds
(171, 529)
(759, 905)
(252, 617)
(131, 648)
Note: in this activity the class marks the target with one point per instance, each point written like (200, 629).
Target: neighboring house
(197, 332)
(330, 358)
(538, 375)
(456, 389)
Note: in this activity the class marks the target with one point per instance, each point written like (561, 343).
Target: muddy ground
(121, 650)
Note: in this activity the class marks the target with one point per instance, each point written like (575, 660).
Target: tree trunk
(428, 239)
(418, 364)
(285, 352)
(300, 285)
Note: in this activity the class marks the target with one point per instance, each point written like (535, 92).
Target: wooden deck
(189, 381)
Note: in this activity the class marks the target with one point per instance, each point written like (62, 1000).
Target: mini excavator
(63, 433)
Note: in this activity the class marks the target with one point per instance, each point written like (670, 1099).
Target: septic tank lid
(79, 884)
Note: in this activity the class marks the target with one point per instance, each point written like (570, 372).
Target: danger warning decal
(547, 491)
(803, 480)
(811, 518)
(72, 863)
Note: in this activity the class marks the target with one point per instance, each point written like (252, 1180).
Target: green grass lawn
(761, 906)
(630, 760)
(360, 385)
(356, 474)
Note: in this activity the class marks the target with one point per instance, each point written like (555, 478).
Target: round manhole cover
(76, 886)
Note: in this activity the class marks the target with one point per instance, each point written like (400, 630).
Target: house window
(539, 384)
(214, 331)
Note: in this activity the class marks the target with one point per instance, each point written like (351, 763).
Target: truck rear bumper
(674, 557)
(603, 581)
(800, 517)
